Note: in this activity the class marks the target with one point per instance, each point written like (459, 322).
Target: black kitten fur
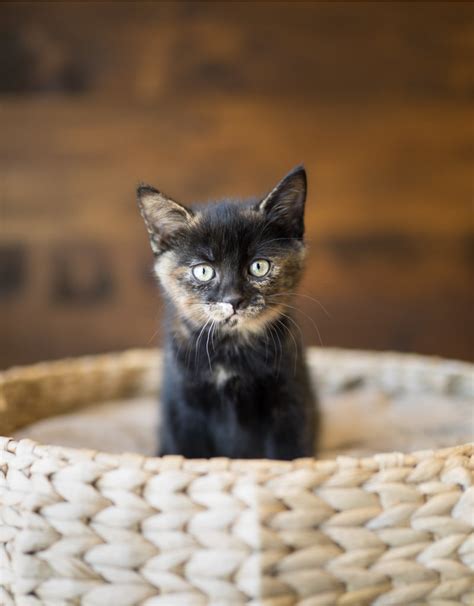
(235, 382)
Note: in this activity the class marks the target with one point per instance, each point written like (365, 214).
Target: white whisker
(294, 343)
(294, 322)
(270, 332)
(207, 344)
(306, 316)
(153, 336)
(281, 348)
(297, 294)
(196, 351)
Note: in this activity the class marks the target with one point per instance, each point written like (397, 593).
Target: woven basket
(86, 527)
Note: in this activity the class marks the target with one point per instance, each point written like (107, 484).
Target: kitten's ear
(285, 203)
(163, 217)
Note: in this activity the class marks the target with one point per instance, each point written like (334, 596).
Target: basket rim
(442, 370)
(56, 363)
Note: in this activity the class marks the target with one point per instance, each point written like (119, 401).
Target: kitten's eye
(203, 272)
(259, 268)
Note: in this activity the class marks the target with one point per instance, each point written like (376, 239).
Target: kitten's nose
(234, 299)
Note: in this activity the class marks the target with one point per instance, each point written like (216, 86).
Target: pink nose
(235, 300)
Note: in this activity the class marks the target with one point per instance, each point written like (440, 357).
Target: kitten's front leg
(284, 447)
(184, 431)
(291, 436)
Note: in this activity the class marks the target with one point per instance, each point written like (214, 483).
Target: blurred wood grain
(213, 99)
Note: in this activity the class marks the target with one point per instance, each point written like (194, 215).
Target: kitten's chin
(233, 322)
(250, 323)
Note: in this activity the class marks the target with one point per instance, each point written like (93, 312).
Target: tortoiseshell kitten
(235, 382)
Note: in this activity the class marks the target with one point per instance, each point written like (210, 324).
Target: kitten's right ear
(163, 217)
(284, 205)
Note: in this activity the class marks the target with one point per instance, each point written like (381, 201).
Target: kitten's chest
(233, 395)
(222, 376)
(220, 384)
(236, 379)
(239, 405)
(228, 364)
(230, 376)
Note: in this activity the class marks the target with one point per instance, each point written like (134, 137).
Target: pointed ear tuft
(284, 205)
(163, 217)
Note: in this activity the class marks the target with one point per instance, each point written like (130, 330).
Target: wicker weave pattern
(83, 527)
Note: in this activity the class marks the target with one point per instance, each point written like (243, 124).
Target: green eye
(259, 268)
(203, 272)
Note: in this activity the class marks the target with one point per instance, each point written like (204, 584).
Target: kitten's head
(231, 264)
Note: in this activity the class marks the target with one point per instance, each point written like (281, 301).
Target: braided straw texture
(85, 527)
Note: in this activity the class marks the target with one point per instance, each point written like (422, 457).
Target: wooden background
(209, 99)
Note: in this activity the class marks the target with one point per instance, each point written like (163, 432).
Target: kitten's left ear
(164, 218)
(285, 203)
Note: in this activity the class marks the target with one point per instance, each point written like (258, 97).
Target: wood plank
(212, 99)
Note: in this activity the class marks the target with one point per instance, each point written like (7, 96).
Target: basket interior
(370, 402)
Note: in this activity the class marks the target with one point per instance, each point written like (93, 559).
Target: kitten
(235, 382)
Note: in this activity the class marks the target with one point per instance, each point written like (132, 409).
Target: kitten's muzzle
(236, 300)
(223, 311)
(234, 308)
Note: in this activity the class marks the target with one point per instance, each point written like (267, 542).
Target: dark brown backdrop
(208, 99)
